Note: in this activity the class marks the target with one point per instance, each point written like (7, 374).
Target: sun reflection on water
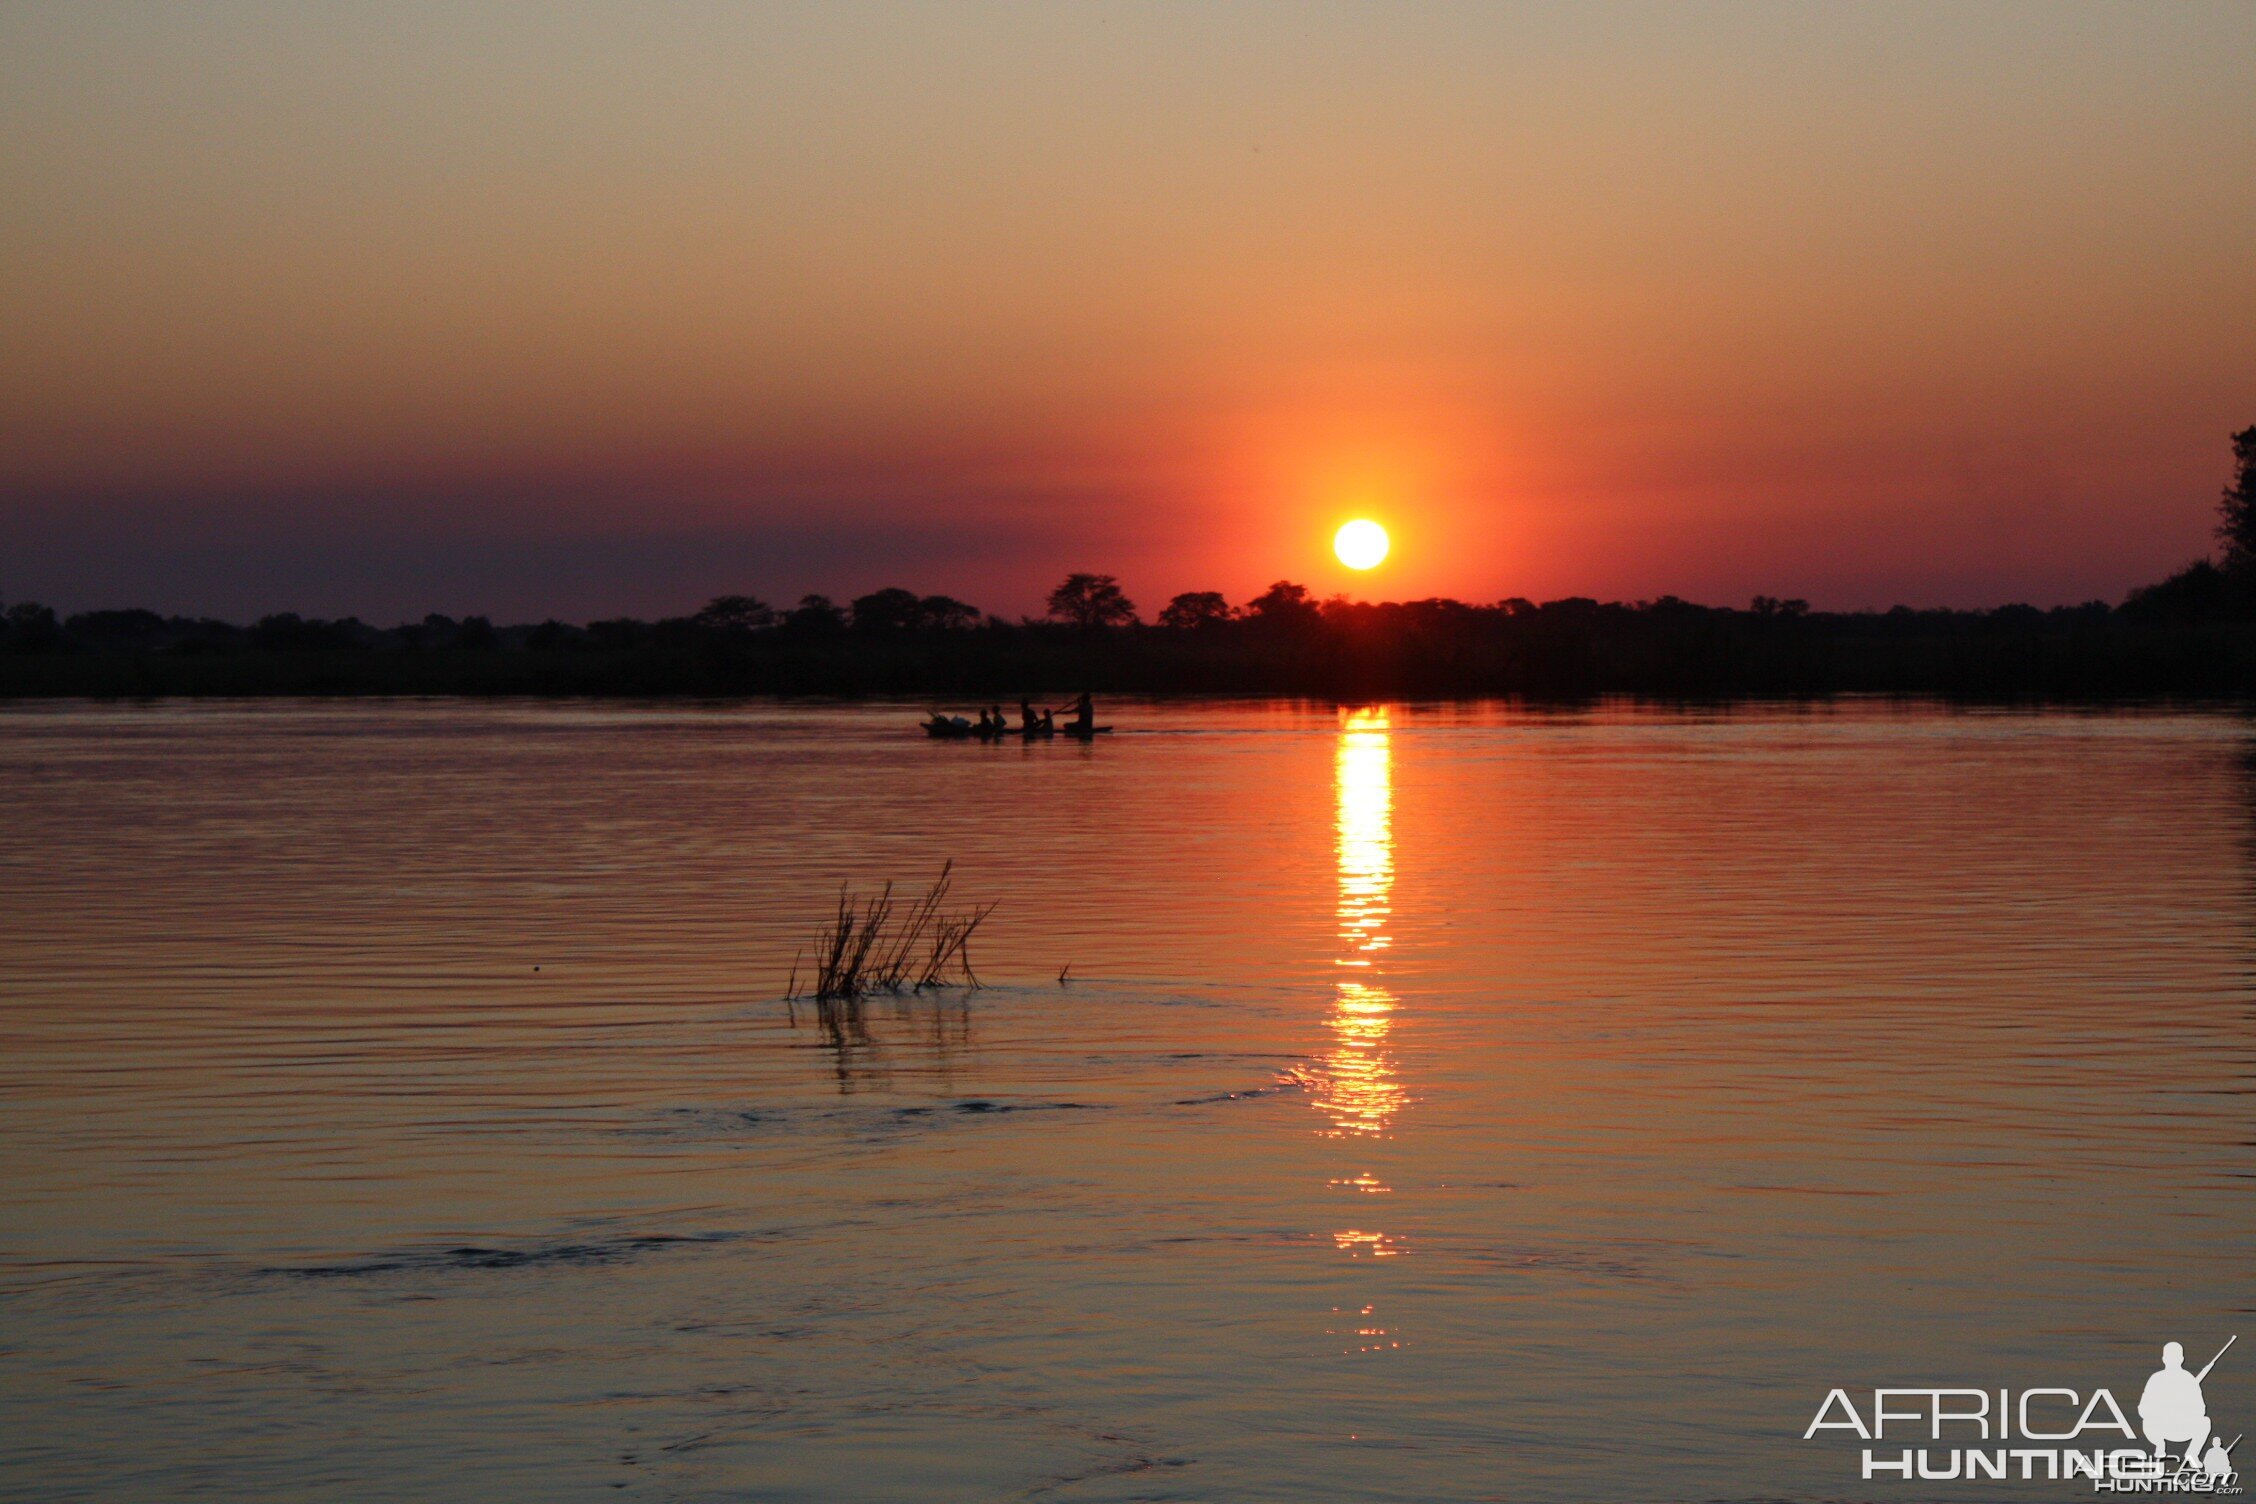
(1361, 1092)
(1355, 1242)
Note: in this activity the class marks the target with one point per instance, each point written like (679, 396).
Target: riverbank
(2061, 654)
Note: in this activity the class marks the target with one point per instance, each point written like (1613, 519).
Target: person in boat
(1084, 714)
(1028, 724)
(1001, 724)
(987, 724)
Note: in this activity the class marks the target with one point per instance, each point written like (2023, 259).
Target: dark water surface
(1443, 1103)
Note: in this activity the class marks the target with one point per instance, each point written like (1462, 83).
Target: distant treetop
(1091, 601)
(1196, 608)
(735, 613)
(2236, 509)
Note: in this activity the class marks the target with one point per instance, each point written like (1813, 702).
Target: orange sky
(579, 309)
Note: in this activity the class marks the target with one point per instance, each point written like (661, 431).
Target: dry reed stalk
(873, 944)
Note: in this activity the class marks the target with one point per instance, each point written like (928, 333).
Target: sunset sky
(560, 309)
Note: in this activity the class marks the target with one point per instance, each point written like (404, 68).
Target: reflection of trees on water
(872, 1041)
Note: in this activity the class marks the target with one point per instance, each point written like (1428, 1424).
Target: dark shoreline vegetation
(2193, 634)
(1435, 648)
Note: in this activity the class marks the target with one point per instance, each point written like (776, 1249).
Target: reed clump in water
(880, 944)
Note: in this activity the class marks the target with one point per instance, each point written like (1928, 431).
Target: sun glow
(1362, 544)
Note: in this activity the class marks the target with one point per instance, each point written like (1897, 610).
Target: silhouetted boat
(955, 728)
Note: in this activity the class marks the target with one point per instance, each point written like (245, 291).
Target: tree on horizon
(1284, 604)
(2236, 508)
(1196, 608)
(735, 613)
(944, 613)
(815, 616)
(1091, 601)
(889, 610)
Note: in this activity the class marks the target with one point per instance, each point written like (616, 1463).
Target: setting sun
(1362, 544)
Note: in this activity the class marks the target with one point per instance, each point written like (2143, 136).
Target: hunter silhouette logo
(1998, 1434)
(2172, 1408)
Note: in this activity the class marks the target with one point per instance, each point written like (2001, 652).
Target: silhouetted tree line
(2193, 633)
(2223, 588)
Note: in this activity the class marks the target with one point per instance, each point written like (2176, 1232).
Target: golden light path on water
(1359, 1092)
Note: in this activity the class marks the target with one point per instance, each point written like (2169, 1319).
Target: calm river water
(398, 1101)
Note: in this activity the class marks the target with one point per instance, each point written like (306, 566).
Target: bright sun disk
(1361, 544)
